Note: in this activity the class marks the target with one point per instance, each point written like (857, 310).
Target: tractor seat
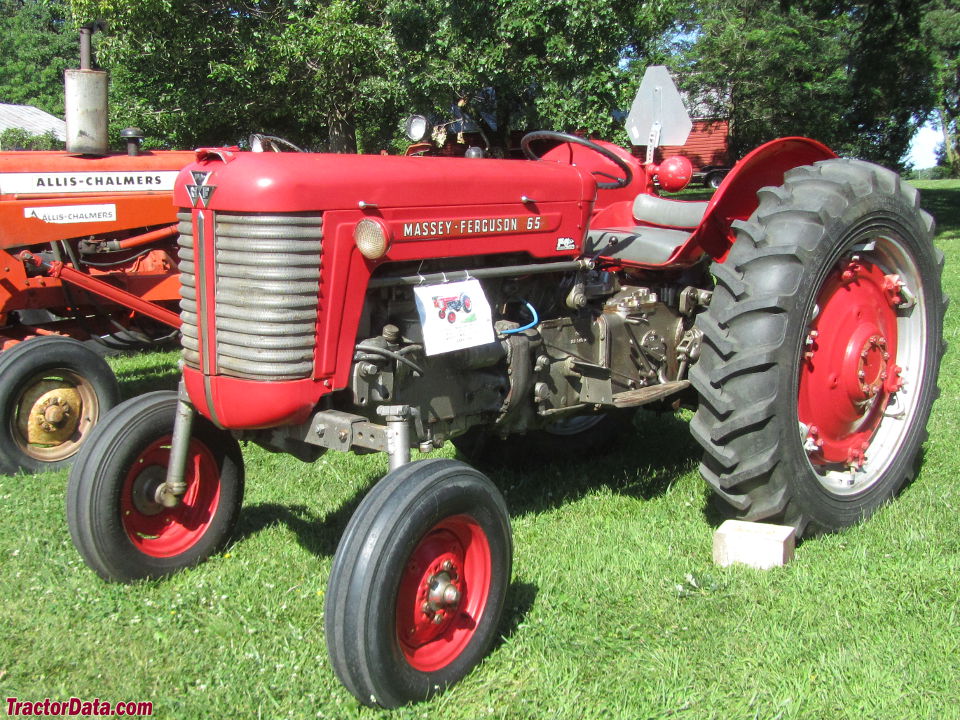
(645, 244)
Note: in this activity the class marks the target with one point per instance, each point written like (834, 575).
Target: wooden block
(759, 545)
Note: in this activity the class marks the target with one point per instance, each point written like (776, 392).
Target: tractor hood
(229, 180)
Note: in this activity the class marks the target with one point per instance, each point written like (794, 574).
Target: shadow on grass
(643, 463)
(519, 603)
(944, 205)
(319, 535)
(647, 460)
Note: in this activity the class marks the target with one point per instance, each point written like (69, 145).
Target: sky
(923, 148)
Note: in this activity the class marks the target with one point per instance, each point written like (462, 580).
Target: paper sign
(454, 316)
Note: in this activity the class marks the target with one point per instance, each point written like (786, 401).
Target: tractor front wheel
(113, 513)
(418, 582)
(53, 391)
(821, 349)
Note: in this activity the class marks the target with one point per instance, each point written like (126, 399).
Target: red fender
(736, 198)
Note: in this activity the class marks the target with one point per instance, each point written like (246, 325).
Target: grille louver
(268, 275)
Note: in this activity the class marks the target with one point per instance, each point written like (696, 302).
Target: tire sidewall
(380, 558)
(861, 219)
(97, 480)
(38, 355)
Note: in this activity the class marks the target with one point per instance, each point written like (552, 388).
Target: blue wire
(532, 323)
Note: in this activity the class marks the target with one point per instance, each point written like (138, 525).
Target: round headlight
(372, 238)
(417, 128)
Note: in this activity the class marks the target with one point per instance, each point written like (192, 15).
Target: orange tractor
(87, 253)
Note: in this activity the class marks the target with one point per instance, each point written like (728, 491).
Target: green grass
(615, 611)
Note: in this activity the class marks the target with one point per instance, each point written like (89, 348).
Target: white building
(33, 120)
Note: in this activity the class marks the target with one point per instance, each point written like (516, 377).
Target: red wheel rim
(443, 593)
(850, 367)
(165, 532)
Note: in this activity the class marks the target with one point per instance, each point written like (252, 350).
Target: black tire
(578, 437)
(53, 391)
(385, 557)
(714, 178)
(119, 530)
(797, 337)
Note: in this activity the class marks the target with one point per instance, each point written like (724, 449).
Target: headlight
(417, 128)
(372, 238)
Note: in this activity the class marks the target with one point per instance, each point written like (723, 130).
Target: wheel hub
(439, 591)
(160, 531)
(49, 413)
(849, 371)
(145, 488)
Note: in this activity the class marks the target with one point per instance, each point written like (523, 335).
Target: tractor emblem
(201, 192)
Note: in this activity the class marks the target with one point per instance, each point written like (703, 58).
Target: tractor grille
(266, 294)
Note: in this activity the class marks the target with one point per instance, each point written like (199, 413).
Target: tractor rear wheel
(418, 582)
(53, 391)
(117, 524)
(821, 349)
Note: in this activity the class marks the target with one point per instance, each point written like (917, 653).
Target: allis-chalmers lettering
(82, 182)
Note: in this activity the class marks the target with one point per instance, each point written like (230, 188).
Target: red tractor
(448, 307)
(799, 311)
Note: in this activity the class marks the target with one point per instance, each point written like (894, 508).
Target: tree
(186, 74)
(890, 81)
(771, 71)
(855, 75)
(342, 71)
(561, 64)
(941, 25)
(37, 42)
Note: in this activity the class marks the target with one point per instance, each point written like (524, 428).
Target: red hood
(295, 182)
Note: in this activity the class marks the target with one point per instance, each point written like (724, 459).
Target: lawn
(615, 610)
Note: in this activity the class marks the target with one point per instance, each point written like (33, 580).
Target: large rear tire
(115, 521)
(53, 391)
(418, 583)
(821, 349)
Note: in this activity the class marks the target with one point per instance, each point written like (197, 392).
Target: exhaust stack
(86, 101)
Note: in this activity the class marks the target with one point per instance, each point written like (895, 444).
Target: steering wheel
(536, 135)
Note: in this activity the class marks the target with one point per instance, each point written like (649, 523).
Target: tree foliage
(340, 74)
(347, 69)
(562, 64)
(20, 139)
(855, 75)
(941, 27)
(37, 42)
